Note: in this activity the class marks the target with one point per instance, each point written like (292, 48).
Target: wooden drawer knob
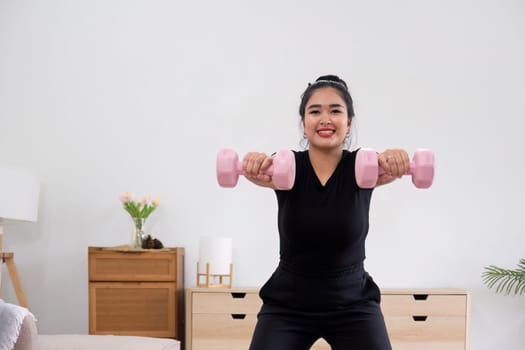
(420, 296)
(238, 316)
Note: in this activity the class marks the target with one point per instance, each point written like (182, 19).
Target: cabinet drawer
(424, 305)
(430, 345)
(132, 308)
(132, 266)
(430, 333)
(226, 303)
(228, 332)
(222, 331)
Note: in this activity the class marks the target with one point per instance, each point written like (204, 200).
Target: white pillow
(27, 338)
(17, 325)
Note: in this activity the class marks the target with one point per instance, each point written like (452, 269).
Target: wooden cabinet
(430, 319)
(221, 319)
(136, 292)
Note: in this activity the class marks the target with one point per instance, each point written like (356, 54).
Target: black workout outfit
(320, 288)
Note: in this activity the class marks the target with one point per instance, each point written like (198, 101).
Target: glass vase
(138, 233)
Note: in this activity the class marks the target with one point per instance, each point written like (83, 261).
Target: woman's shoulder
(300, 158)
(349, 155)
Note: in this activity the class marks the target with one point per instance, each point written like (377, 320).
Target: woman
(320, 288)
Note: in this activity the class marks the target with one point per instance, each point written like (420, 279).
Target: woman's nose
(325, 119)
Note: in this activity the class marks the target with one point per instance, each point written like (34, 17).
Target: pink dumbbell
(367, 168)
(282, 170)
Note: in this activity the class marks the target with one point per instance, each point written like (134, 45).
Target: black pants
(342, 307)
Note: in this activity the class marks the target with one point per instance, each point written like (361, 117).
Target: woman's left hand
(395, 163)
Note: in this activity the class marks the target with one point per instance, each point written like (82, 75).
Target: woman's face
(326, 121)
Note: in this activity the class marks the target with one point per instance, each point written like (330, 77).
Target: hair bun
(333, 78)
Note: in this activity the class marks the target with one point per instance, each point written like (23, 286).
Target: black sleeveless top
(323, 228)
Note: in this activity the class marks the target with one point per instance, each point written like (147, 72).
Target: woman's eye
(337, 111)
(314, 112)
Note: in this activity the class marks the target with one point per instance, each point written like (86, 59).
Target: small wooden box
(136, 292)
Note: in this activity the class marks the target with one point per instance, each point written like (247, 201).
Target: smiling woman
(323, 224)
(326, 123)
(328, 100)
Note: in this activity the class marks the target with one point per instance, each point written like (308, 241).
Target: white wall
(104, 96)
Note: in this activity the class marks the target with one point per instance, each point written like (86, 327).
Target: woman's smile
(326, 132)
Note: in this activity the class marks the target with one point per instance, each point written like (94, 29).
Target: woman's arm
(395, 163)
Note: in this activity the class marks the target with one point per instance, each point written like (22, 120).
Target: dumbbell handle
(410, 170)
(268, 171)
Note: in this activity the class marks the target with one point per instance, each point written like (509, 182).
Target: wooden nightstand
(136, 292)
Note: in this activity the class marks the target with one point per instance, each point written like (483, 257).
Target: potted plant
(505, 280)
(139, 210)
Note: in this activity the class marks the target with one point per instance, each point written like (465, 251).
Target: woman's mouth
(325, 132)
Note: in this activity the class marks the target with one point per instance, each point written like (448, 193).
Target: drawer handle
(238, 295)
(238, 316)
(420, 296)
(420, 318)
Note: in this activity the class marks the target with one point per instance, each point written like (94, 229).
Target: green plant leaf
(505, 280)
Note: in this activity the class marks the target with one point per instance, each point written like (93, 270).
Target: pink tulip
(126, 197)
(146, 200)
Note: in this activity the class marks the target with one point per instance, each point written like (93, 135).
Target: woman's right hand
(254, 165)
